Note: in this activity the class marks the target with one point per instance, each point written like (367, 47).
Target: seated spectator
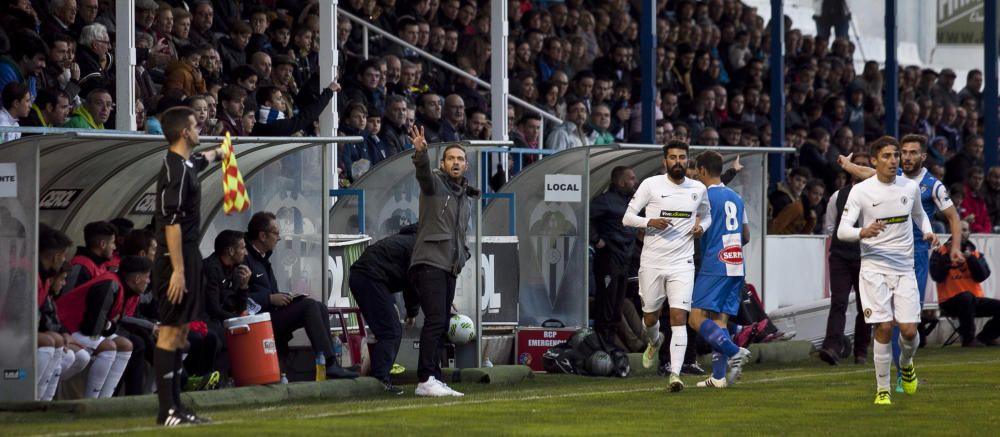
(957, 168)
(231, 47)
(991, 194)
(429, 116)
(288, 311)
(16, 104)
(231, 111)
(974, 205)
(600, 122)
(183, 75)
(453, 119)
(477, 125)
(50, 109)
(570, 133)
(26, 61)
(394, 126)
(960, 291)
(272, 120)
(94, 111)
(352, 157)
(95, 58)
(800, 217)
(789, 191)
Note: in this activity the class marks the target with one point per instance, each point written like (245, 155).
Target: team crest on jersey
(694, 197)
(868, 312)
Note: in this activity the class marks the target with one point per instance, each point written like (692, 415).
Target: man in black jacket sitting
(380, 272)
(288, 311)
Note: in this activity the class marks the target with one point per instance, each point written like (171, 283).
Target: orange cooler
(252, 351)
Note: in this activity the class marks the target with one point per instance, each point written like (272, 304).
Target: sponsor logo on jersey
(893, 220)
(731, 255)
(676, 214)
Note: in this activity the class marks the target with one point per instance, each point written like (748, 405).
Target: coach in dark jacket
(613, 244)
(380, 272)
(446, 202)
(288, 312)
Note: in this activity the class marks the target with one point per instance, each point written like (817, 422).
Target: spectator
(61, 19)
(260, 62)
(26, 61)
(94, 112)
(231, 110)
(835, 14)
(800, 217)
(394, 124)
(353, 157)
(270, 124)
(288, 311)
(943, 92)
(957, 168)
(248, 80)
(960, 292)
(600, 121)
(709, 137)
(570, 134)
(976, 213)
(477, 126)
(231, 48)
(283, 78)
(60, 71)
(991, 194)
(790, 190)
(50, 109)
(16, 104)
(365, 87)
(183, 76)
(948, 128)
(95, 58)
(203, 15)
(973, 88)
(429, 116)
(453, 121)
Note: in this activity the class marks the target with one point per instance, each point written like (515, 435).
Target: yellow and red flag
(234, 193)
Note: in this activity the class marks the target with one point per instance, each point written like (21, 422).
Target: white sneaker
(433, 387)
(712, 382)
(736, 363)
(453, 391)
(649, 355)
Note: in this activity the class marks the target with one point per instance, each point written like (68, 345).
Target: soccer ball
(461, 329)
(599, 364)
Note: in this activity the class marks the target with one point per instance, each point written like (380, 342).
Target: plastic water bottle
(338, 350)
(284, 378)
(320, 367)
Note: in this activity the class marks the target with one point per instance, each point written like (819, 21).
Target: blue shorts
(720, 294)
(921, 263)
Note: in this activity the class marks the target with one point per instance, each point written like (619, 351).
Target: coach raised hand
(440, 251)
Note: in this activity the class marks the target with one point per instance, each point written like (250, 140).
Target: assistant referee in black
(177, 268)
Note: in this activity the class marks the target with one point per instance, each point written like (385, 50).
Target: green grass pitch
(959, 395)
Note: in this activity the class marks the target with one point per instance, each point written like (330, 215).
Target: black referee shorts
(191, 305)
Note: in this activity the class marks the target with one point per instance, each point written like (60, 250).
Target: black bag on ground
(586, 354)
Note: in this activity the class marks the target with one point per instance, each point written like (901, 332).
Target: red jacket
(973, 203)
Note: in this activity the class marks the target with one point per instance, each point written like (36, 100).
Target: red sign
(533, 342)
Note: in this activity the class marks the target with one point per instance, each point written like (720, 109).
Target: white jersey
(683, 204)
(897, 205)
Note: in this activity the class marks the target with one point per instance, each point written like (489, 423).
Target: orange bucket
(252, 352)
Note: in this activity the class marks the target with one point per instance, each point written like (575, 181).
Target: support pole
(499, 83)
(647, 50)
(776, 161)
(328, 61)
(125, 66)
(990, 93)
(891, 71)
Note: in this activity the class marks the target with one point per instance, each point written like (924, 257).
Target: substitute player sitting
(677, 210)
(720, 281)
(888, 206)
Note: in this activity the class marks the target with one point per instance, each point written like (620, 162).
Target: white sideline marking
(866, 369)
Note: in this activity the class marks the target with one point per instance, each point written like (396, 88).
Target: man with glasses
(289, 311)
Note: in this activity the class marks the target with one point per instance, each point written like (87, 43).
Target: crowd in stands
(251, 68)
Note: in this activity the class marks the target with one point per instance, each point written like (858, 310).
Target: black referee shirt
(178, 197)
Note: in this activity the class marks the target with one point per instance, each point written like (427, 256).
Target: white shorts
(885, 298)
(674, 286)
(91, 343)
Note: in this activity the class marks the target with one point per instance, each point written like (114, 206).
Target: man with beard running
(677, 211)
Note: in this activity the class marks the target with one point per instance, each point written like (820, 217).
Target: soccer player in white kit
(888, 206)
(677, 210)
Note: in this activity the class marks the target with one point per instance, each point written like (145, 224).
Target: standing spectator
(960, 292)
(957, 168)
(16, 104)
(440, 251)
(835, 14)
(845, 268)
(613, 243)
(26, 61)
(977, 215)
(94, 111)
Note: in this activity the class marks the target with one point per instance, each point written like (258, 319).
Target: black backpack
(563, 358)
